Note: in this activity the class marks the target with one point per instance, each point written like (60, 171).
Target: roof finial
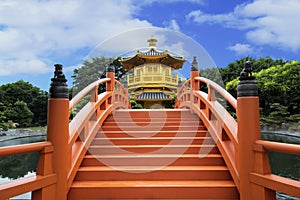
(152, 42)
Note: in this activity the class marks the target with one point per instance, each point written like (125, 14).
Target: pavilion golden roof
(152, 55)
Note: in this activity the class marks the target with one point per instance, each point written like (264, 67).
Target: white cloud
(266, 22)
(145, 2)
(33, 30)
(23, 66)
(241, 49)
(172, 24)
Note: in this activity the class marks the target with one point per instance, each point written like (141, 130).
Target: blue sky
(35, 34)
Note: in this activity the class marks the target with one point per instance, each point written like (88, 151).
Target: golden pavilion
(151, 81)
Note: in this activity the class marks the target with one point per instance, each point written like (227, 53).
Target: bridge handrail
(280, 147)
(229, 136)
(86, 123)
(44, 178)
(212, 86)
(262, 174)
(206, 106)
(71, 139)
(93, 86)
(24, 148)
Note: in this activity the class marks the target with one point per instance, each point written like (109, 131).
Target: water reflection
(285, 165)
(19, 165)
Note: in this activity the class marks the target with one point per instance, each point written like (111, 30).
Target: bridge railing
(45, 178)
(239, 139)
(261, 176)
(85, 125)
(220, 124)
(67, 141)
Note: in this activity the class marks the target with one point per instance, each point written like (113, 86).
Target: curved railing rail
(225, 131)
(220, 124)
(262, 174)
(61, 155)
(87, 122)
(44, 179)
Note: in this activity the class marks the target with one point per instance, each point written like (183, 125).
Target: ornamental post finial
(58, 86)
(194, 66)
(110, 67)
(247, 85)
(246, 73)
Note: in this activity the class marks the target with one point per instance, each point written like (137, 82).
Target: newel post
(110, 86)
(110, 73)
(58, 130)
(193, 74)
(248, 128)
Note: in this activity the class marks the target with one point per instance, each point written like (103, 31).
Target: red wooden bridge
(195, 151)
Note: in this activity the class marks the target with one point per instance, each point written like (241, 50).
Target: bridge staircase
(153, 154)
(196, 151)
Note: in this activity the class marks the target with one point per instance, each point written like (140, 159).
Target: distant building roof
(152, 55)
(152, 96)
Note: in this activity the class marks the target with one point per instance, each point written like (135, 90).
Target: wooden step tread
(152, 184)
(154, 126)
(149, 168)
(153, 110)
(155, 138)
(167, 122)
(144, 130)
(154, 146)
(137, 155)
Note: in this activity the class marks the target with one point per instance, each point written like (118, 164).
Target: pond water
(13, 167)
(19, 166)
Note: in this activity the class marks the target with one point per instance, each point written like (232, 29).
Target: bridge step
(153, 140)
(123, 173)
(154, 190)
(144, 134)
(153, 154)
(159, 113)
(152, 128)
(153, 160)
(169, 149)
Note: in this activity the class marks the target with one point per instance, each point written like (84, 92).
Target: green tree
(89, 72)
(93, 70)
(21, 114)
(135, 105)
(279, 88)
(233, 70)
(3, 120)
(39, 109)
(21, 91)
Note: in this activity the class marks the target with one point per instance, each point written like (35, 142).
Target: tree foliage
(94, 69)
(88, 72)
(23, 103)
(279, 87)
(234, 69)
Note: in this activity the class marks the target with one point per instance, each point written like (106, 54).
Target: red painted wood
(196, 169)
